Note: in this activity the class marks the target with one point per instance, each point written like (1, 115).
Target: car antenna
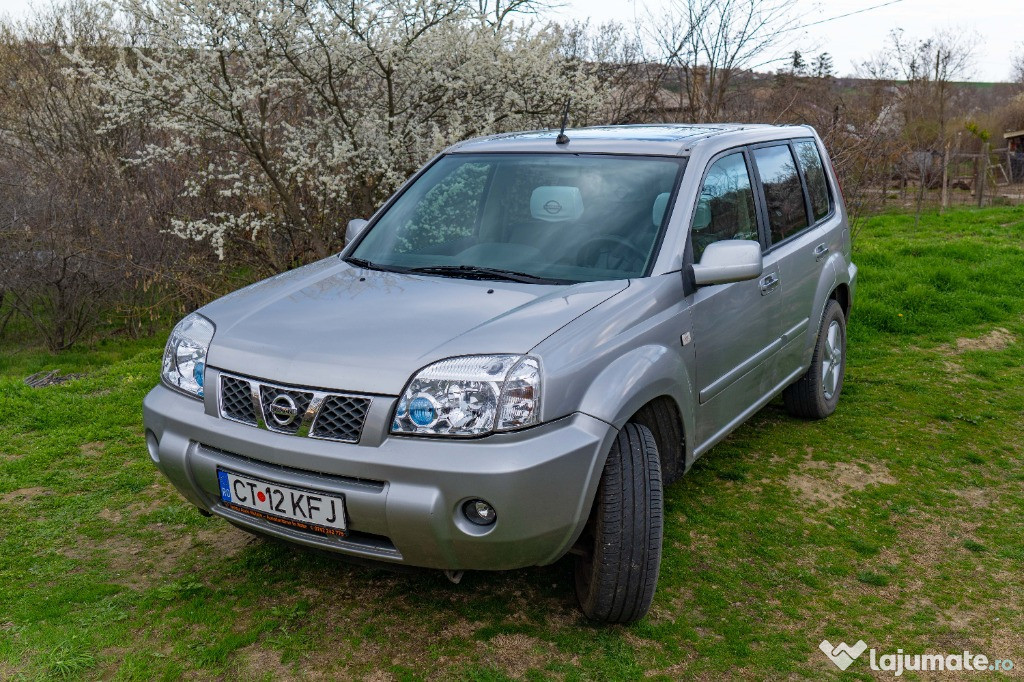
(562, 137)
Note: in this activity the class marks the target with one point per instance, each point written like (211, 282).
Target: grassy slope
(896, 521)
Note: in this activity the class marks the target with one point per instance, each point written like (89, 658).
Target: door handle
(769, 283)
(820, 251)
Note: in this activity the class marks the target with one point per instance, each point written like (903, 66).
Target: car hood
(335, 326)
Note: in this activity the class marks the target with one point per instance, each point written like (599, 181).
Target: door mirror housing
(730, 260)
(355, 228)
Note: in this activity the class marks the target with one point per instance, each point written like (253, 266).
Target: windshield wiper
(370, 265)
(480, 272)
(361, 263)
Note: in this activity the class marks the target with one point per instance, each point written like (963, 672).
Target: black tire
(617, 571)
(808, 397)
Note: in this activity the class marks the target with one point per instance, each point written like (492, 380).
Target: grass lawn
(899, 521)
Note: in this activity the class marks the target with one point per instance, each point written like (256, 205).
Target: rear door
(734, 329)
(797, 242)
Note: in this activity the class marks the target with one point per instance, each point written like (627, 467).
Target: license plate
(306, 510)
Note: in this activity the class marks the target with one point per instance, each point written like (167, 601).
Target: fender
(636, 378)
(827, 282)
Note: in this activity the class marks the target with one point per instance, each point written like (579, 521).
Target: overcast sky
(999, 25)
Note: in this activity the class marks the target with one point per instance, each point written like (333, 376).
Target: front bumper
(403, 495)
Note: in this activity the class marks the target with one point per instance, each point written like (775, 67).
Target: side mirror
(355, 227)
(730, 260)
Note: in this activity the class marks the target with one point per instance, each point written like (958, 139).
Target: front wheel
(816, 394)
(620, 549)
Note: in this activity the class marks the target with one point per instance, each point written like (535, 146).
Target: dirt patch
(23, 495)
(8, 672)
(516, 654)
(140, 563)
(255, 662)
(380, 676)
(977, 498)
(4, 457)
(954, 369)
(827, 484)
(462, 628)
(93, 449)
(997, 339)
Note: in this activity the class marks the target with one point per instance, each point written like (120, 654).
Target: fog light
(479, 512)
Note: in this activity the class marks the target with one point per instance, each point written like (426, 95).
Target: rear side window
(783, 194)
(814, 174)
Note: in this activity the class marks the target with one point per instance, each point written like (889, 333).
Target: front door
(734, 332)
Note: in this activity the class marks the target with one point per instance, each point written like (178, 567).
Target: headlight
(471, 396)
(185, 355)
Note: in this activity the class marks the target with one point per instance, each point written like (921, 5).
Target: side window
(814, 174)
(725, 209)
(787, 213)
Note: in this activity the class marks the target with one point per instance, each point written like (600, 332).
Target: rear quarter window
(814, 174)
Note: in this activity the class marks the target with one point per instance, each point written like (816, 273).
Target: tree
(628, 76)
(76, 242)
(1017, 65)
(923, 73)
(822, 66)
(797, 63)
(711, 41)
(299, 115)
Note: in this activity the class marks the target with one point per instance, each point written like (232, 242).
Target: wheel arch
(841, 295)
(650, 386)
(662, 416)
(828, 282)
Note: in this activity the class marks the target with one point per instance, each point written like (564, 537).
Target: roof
(1014, 133)
(670, 139)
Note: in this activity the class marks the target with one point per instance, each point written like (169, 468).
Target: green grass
(897, 521)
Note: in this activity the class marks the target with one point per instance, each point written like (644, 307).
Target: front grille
(236, 400)
(299, 400)
(340, 418)
(291, 410)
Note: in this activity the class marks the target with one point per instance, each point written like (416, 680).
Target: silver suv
(518, 350)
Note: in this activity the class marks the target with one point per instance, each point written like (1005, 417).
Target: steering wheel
(591, 250)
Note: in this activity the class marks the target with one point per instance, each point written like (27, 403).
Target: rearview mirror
(355, 227)
(730, 260)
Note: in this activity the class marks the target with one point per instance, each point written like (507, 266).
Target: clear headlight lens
(184, 365)
(471, 396)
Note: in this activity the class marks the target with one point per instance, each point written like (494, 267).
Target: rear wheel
(620, 550)
(816, 394)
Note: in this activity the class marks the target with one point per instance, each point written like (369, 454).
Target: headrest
(702, 214)
(658, 211)
(555, 203)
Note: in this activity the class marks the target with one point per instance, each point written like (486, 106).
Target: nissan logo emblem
(283, 410)
(553, 207)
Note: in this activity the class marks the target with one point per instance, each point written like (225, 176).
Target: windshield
(548, 217)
